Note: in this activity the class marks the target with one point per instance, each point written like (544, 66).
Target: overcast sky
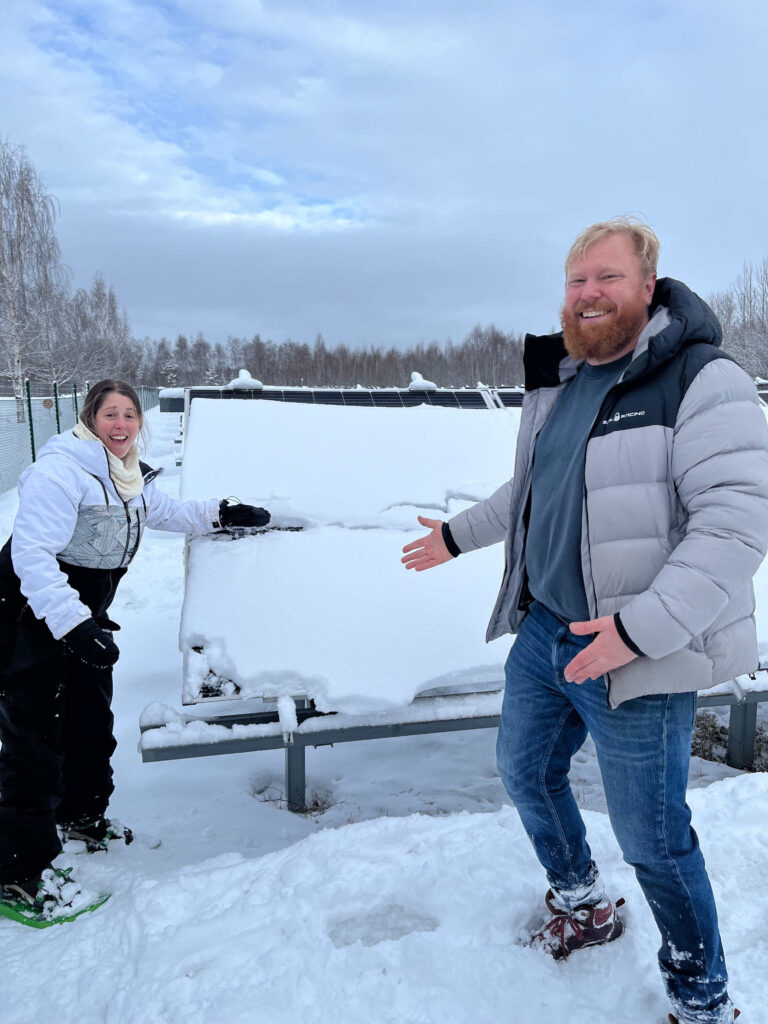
(383, 172)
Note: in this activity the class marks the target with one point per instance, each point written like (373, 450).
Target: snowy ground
(401, 900)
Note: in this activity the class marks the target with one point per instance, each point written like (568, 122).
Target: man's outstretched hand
(606, 652)
(429, 551)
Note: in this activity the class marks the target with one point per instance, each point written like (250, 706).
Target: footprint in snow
(387, 923)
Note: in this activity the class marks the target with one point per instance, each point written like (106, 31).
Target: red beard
(603, 340)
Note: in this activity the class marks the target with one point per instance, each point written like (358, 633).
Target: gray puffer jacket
(675, 511)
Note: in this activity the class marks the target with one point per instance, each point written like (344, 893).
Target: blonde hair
(642, 236)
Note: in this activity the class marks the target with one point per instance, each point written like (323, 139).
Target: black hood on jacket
(548, 364)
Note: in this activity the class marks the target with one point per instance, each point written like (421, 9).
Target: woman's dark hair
(95, 399)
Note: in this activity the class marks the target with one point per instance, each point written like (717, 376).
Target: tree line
(486, 354)
(742, 311)
(49, 332)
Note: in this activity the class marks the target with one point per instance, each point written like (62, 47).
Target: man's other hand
(429, 551)
(606, 652)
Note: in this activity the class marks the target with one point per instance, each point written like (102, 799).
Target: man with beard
(636, 518)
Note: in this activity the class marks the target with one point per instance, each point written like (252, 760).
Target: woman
(82, 509)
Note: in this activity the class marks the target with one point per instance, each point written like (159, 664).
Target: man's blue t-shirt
(553, 545)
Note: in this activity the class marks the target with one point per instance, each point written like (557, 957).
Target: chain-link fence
(43, 410)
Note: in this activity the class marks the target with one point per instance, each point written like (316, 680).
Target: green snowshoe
(53, 898)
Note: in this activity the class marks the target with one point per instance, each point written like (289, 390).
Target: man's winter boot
(673, 1019)
(591, 924)
(96, 835)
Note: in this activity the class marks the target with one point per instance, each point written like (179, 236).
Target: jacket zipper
(138, 528)
(127, 515)
(593, 612)
(526, 517)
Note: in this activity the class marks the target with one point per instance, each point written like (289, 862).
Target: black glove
(106, 623)
(233, 514)
(91, 644)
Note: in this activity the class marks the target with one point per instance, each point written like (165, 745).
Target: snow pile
(245, 382)
(395, 919)
(419, 384)
(364, 634)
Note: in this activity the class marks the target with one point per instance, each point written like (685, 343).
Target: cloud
(313, 218)
(391, 170)
(382, 36)
(111, 146)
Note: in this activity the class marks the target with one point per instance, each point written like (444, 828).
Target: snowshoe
(53, 898)
(96, 836)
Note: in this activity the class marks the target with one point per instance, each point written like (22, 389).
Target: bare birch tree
(743, 312)
(32, 277)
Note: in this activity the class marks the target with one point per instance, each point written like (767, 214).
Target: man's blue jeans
(643, 749)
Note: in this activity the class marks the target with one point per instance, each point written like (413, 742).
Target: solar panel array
(511, 398)
(393, 398)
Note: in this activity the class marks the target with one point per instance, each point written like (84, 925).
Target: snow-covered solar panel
(329, 611)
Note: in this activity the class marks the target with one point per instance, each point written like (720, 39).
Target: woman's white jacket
(69, 510)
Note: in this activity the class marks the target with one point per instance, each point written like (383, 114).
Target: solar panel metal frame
(381, 398)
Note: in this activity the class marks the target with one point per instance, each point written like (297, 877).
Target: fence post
(31, 425)
(56, 406)
(74, 398)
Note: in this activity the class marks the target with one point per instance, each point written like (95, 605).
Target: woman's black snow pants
(56, 733)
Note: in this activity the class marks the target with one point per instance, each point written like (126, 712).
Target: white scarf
(125, 473)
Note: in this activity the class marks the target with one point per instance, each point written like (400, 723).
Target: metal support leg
(741, 735)
(295, 777)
